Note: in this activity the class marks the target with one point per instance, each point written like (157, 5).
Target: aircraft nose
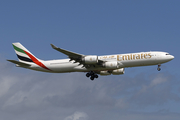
(172, 57)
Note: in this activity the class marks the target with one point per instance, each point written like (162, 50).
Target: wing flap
(19, 63)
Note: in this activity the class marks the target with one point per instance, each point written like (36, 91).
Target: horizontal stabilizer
(19, 63)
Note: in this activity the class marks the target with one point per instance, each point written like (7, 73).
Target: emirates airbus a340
(92, 64)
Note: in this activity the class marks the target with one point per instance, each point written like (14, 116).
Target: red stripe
(36, 61)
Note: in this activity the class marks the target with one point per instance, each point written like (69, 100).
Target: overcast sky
(96, 27)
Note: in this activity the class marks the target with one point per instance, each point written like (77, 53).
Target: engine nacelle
(118, 71)
(111, 65)
(91, 59)
(105, 73)
(114, 72)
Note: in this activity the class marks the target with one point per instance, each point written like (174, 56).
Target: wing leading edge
(73, 56)
(70, 54)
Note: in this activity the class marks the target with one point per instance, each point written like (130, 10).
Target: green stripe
(18, 49)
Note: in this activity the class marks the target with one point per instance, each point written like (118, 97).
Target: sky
(90, 27)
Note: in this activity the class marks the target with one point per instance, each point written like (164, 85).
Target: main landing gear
(92, 74)
(159, 67)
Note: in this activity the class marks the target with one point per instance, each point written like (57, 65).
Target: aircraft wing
(73, 56)
(19, 63)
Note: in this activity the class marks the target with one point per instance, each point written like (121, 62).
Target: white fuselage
(124, 60)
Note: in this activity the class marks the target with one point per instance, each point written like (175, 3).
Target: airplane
(92, 64)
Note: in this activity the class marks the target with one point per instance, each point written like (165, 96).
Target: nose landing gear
(159, 67)
(92, 74)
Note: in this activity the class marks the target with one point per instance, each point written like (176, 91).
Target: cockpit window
(167, 54)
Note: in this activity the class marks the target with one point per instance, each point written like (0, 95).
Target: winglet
(53, 46)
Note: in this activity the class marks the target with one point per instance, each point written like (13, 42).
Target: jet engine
(118, 71)
(111, 65)
(91, 59)
(105, 73)
(114, 72)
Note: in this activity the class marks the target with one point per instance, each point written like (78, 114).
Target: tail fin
(25, 57)
(23, 54)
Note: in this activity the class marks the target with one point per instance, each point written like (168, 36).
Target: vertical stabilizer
(26, 57)
(23, 54)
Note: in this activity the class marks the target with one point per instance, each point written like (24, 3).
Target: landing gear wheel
(92, 78)
(92, 75)
(158, 69)
(88, 74)
(96, 76)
